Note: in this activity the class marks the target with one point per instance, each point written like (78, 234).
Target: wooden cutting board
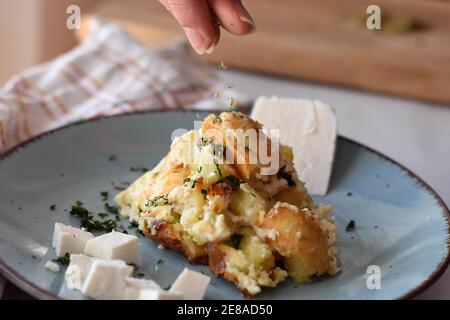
(324, 41)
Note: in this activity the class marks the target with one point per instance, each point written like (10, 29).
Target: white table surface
(416, 134)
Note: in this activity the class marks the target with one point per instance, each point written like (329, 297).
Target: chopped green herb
(204, 192)
(235, 240)
(53, 207)
(139, 169)
(159, 201)
(112, 157)
(160, 261)
(233, 182)
(282, 174)
(199, 169)
(111, 209)
(103, 215)
(87, 220)
(65, 260)
(133, 224)
(218, 168)
(202, 142)
(350, 226)
(104, 195)
(140, 274)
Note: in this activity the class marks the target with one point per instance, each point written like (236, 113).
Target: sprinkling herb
(133, 224)
(53, 207)
(235, 240)
(232, 181)
(159, 201)
(160, 261)
(120, 187)
(218, 168)
(233, 103)
(203, 141)
(222, 65)
(204, 192)
(199, 169)
(104, 195)
(103, 215)
(155, 173)
(140, 274)
(112, 157)
(111, 209)
(282, 174)
(350, 226)
(65, 260)
(139, 169)
(87, 220)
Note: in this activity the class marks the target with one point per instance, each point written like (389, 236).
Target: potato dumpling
(212, 199)
(297, 196)
(248, 205)
(248, 262)
(299, 239)
(162, 225)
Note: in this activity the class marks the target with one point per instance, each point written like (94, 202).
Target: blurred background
(325, 41)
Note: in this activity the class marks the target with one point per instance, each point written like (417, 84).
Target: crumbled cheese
(310, 128)
(134, 286)
(191, 284)
(153, 294)
(114, 245)
(106, 280)
(67, 239)
(79, 268)
(53, 267)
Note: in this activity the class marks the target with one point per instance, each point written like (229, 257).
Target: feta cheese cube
(106, 280)
(134, 286)
(191, 284)
(114, 245)
(67, 239)
(53, 267)
(154, 294)
(310, 129)
(78, 269)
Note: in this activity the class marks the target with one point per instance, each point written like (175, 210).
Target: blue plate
(402, 226)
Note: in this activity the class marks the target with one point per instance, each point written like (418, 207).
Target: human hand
(200, 20)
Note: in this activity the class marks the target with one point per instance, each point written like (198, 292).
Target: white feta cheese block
(106, 280)
(114, 245)
(191, 284)
(310, 129)
(154, 294)
(135, 285)
(53, 267)
(67, 239)
(78, 270)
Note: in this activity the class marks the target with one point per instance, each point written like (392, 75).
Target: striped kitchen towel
(109, 73)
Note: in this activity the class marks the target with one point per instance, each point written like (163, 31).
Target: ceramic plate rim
(10, 274)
